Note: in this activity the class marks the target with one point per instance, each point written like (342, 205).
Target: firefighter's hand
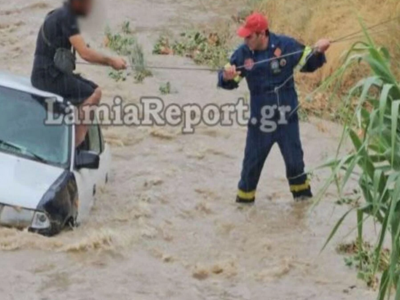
(118, 63)
(322, 45)
(230, 73)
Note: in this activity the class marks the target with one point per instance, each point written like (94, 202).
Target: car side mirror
(87, 160)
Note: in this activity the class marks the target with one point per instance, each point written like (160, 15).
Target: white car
(44, 181)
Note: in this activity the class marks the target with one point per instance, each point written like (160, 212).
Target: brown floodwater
(167, 227)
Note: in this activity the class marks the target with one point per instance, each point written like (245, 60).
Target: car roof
(23, 84)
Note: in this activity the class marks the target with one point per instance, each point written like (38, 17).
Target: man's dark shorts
(73, 88)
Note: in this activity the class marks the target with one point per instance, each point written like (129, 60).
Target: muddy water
(166, 227)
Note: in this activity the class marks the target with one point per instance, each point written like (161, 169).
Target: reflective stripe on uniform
(300, 187)
(238, 78)
(303, 60)
(246, 195)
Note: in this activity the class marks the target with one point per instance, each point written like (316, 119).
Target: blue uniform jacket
(263, 78)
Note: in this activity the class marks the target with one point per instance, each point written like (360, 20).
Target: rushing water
(167, 227)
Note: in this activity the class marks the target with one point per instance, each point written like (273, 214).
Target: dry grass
(309, 20)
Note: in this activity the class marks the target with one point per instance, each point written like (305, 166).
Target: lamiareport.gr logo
(152, 111)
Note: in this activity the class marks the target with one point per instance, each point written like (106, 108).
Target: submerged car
(46, 183)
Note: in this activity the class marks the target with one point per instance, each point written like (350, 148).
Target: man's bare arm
(95, 57)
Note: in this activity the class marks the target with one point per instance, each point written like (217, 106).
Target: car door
(99, 147)
(91, 180)
(86, 178)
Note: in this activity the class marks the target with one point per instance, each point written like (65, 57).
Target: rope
(353, 36)
(273, 58)
(348, 37)
(367, 28)
(360, 36)
(344, 38)
(154, 67)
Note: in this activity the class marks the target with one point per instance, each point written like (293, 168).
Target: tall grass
(373, 129)
(126, 44)
(309, 20)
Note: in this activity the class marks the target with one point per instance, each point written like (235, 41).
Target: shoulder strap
(42, 30)
(47, 41)
(45, 38)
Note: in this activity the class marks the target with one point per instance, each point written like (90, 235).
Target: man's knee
(97, 95)
(94, 99)
(98, 92)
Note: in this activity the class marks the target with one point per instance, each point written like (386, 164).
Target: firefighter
(273, 97)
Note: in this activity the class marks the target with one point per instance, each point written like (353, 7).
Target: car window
(24, 132)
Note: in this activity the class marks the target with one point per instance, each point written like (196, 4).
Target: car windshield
(23, 130)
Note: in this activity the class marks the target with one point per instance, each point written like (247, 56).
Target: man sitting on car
(60, 33)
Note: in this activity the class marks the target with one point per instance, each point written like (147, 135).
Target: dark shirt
(59, 26)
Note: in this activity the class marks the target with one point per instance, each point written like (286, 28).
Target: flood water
(166, 226)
